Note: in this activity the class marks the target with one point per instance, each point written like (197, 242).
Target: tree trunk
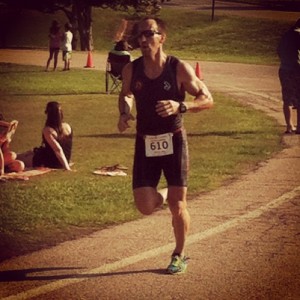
(73, 21)
(84, 21)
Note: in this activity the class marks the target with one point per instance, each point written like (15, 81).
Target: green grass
(293, 5)
(63, 205)
(228, 38)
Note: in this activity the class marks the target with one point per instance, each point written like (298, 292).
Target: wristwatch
(182, 108)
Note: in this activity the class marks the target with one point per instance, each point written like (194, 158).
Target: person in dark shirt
(158, 82)
(289, 74)
(57, 140)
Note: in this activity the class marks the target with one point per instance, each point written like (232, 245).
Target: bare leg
(298, 119)
(48, 63)
(49, 59)
(147, 199)
(287, 111)
(180, 216)
(55, 59)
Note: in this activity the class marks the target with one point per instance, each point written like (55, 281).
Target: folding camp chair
(114, 67)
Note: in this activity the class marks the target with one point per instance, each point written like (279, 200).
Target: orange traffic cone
(89, 62)
(198, 71)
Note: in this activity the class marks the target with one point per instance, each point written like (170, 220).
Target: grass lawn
(63, 205)
(223, 142)
(191, 34)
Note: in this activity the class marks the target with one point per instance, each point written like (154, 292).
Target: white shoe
(164, 194)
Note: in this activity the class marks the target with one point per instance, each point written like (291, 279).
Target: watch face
(182, 108)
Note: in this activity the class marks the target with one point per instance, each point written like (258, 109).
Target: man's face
(149, 37)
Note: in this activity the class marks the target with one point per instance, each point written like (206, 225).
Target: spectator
(57, 140)
(121, 48)
(67, 46)
(289, 75)
(54, 44)
(8, 159)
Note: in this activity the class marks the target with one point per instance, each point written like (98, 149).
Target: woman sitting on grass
(8, 159)
(57, 141)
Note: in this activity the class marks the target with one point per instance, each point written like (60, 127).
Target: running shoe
(178, 265)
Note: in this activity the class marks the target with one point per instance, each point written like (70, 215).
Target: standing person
(57, 140)
(289, 75)
(54, 44)
(158, 82)
(67, 46)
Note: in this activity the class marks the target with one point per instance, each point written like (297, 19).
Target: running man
(158, 82)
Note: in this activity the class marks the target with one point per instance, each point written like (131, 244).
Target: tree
(79, 12)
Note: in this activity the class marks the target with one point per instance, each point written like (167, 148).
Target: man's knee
(146, 199)
(177, 208)
(9, 157)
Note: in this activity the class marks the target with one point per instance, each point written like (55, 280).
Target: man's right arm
(125, 99)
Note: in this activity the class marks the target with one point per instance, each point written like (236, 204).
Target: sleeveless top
(148, 92)
(50, 159)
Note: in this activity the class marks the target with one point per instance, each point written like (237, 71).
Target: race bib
(159, 145)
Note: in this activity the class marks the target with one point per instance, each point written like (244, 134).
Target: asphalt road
(244, 241)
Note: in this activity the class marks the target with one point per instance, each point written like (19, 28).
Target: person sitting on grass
(57, 137)
(121, 48)
(8, 159)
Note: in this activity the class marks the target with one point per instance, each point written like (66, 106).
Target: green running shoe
(178, 265)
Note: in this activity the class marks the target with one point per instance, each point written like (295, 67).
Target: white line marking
(157, 251)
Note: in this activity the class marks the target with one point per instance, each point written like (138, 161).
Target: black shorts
(290, 87)
(147, 170)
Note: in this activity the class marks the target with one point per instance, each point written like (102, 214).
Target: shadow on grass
(29, 274)
(53, 94)
(132, 135)
(109, 136)
(223, 133)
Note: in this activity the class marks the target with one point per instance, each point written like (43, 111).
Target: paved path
(244, 241)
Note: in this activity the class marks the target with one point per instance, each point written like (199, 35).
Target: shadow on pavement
(30, 274)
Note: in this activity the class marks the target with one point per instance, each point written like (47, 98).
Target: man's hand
(167, 108)
(123, 121)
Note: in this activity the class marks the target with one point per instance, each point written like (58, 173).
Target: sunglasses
(148, 33)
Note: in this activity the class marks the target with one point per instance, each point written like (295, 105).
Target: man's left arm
(187, 81)
(194, 86)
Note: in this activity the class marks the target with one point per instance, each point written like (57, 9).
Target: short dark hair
(162, 26)
(68, 26)
(121, 46)
(133, 41)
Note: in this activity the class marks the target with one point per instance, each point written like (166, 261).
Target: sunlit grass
(223, 142)
(191, 34)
